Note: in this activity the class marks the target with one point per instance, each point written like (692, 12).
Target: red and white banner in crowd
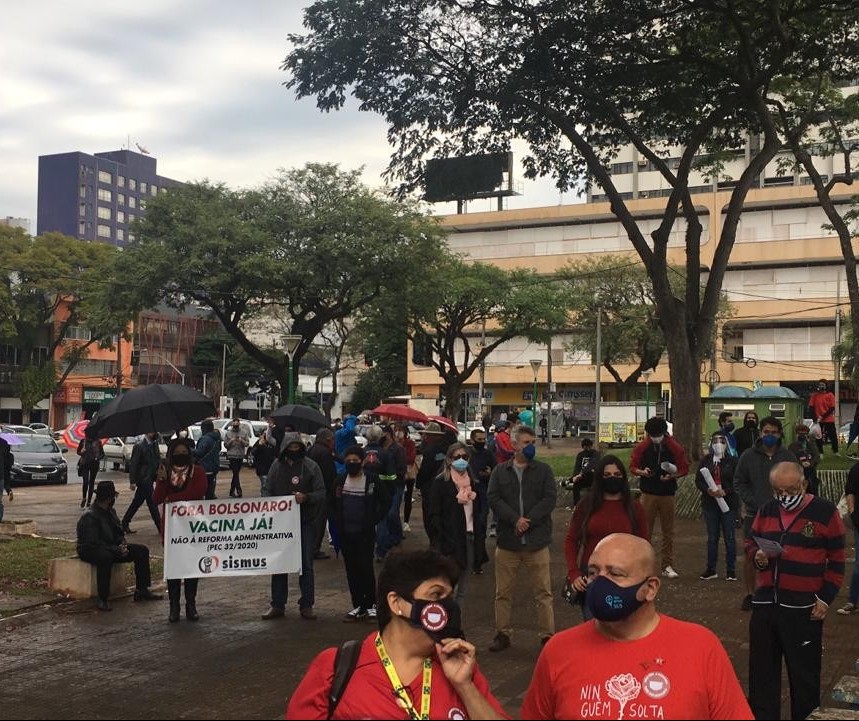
(234, 537)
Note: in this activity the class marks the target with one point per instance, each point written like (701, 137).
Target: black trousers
(235, 483)
(103, 560)
(358, 557)
(830, 434)
(174, 590)
(211, 478)
(407, 500)
(88, 474)
(143, 494)
(776, 632)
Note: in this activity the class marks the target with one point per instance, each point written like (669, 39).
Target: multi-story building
(785, 282)
(22, 223)
(96, 197)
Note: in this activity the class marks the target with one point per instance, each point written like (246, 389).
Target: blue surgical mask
(529, 452)
(729, 427)
(769, 440)
(460, 464)
(609, 602)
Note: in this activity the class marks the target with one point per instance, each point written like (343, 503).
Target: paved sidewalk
(71, 661)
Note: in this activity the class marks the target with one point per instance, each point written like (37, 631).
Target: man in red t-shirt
(627, 663)
(822, 406)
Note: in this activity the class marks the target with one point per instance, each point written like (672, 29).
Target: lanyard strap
(399, 689)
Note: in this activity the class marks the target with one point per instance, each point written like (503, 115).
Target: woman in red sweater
(179, 479)
(608, 508)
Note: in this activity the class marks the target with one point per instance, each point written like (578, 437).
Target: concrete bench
(77, 579)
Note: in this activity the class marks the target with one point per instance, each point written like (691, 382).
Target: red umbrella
(400, 412)
(445, 423)
(74, 433)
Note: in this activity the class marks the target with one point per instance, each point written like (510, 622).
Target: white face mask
(718, 450)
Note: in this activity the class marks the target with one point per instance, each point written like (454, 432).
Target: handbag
(571, 595)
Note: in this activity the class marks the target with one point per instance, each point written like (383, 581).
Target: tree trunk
(452, 394)
(685, 389)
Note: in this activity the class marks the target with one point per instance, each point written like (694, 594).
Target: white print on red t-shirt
(456, 714)
(625, 689)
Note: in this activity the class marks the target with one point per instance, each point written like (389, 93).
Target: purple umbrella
(12, 439)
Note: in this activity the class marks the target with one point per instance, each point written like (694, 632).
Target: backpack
(344, 665)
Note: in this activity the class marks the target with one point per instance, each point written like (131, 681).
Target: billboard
(468, 177)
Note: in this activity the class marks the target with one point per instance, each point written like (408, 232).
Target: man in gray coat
(522, 494)
(293, 474)
(752, 484)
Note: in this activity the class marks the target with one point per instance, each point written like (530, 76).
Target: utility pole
(550, 392)
(118, 364)
(597, 388)
(837, 356)
(481, 375)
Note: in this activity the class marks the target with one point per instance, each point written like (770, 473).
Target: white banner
(235, 537)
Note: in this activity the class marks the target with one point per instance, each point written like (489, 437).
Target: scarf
(178, 477)
(464, 494)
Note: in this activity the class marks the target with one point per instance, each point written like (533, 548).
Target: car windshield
(36, 444)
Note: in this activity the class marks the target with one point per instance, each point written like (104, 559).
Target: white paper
(770, 548)
(723, 506)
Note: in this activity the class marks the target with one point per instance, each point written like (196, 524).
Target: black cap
(105, 489)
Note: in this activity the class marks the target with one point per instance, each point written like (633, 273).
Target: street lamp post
(535, 366)
(646, 374)
(158, 355)
(290, 345)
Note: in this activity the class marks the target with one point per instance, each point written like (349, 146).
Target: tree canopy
(681, 82)
(313, 246)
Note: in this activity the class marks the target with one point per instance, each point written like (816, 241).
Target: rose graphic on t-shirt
(623, 687)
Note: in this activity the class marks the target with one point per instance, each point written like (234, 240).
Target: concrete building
(785, 281)
(22, 223)
(96, 197)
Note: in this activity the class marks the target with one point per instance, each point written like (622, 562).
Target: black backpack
(344, 665)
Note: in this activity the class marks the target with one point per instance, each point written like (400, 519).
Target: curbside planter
(77, 579)
(25, 527)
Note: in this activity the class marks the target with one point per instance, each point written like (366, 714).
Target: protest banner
(235, 537)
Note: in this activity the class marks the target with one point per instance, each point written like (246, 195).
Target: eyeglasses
(459, 457)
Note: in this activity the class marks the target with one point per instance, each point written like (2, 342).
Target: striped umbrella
(73, 433)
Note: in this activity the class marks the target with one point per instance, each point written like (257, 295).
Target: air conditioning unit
(642, 162)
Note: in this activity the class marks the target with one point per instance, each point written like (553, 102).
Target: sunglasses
(459, 457)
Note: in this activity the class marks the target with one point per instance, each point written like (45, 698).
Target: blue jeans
(389, 531)
(852, 596)
(717, 521)
(280, 581)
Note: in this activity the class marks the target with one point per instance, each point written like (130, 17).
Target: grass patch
(24, 563)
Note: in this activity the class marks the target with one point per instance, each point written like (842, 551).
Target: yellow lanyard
(399, 689)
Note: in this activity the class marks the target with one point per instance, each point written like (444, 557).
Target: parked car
(18, 430)
(128, 447)
(41, 428)
(253, 429)
(38, 460)
(114, 452)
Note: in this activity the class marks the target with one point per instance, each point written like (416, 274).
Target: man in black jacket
(101, 542)
(322, 452)
(432, 450)
(145, 458)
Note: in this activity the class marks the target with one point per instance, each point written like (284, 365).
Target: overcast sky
(195, 82)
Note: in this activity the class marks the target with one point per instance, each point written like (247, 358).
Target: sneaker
(848, 608)
(669, 572)
(746, 605)
(356, 614)
(500, 642)
(708, 575)
(731, 576)
(371, 613)
(406, 528)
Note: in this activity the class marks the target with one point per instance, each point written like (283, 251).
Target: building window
(120, 234)
(81, 228)
(132, 184)
(78, 332)
(105, 177)
(120, 198)
(8, 355)
(142, 205)
(120, 216)
(120, 181)
(132, 201)
(131, 237)
(621, 168)
(103, 231)
(39, 356)
(82, 208)
(163, 190)
(105, 195)
(82, 192)
(131, 217)
(778, 180)
(144, 187)
(153, 190)
(104, 213)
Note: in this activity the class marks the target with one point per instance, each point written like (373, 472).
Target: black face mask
(353, 468)
(182, 460)
(612, 485)
(751, 423)
(438, 619)
(480, 446)
(294, 455)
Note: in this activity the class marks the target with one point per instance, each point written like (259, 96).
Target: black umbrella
(156, 407)
(303, 418)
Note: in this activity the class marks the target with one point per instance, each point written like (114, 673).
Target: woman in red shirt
(608, 508)
(179, 479)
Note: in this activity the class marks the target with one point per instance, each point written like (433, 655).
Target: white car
(40, 428)
(114, 452)
(128, 448)
(253, 429)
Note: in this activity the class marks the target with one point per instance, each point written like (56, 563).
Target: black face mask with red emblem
(438, 619)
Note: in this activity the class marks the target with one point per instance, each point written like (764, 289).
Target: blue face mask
(729, 427)
(460, 464)
(529, 452)
(769, 440)
(610, 602)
